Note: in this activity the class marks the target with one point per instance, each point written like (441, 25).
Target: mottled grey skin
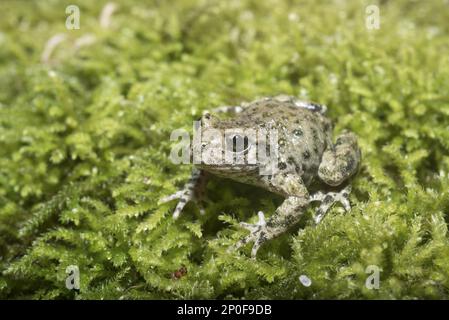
(307, 160)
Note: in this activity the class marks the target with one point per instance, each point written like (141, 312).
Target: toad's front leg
(192, 191)
(287, 215)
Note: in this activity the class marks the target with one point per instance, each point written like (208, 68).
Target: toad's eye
(238, 144)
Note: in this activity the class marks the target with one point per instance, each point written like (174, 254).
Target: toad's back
(303, 133)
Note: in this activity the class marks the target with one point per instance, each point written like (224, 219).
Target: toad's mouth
(220, 168)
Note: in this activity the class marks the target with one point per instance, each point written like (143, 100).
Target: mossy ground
(84, 146)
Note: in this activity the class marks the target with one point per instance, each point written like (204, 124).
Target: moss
(84, 148)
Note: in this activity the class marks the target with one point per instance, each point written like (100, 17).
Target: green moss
(84, 146)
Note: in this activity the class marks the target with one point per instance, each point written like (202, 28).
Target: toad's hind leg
(340, 161)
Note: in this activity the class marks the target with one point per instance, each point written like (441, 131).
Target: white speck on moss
(305, 280)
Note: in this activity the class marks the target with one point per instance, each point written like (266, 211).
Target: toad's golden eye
(238, 144)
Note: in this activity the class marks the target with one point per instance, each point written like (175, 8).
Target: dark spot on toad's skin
(262, 238)
(315, 136)
(289, 219)
(327, 199)
(291, 161)
(297, 132)
(338, 142)
(350, 165)
(282, 166)
(306, 155)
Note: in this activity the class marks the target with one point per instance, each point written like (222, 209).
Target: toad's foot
(192, 191)
(258, 234)
(285, 216)
(328, 199)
